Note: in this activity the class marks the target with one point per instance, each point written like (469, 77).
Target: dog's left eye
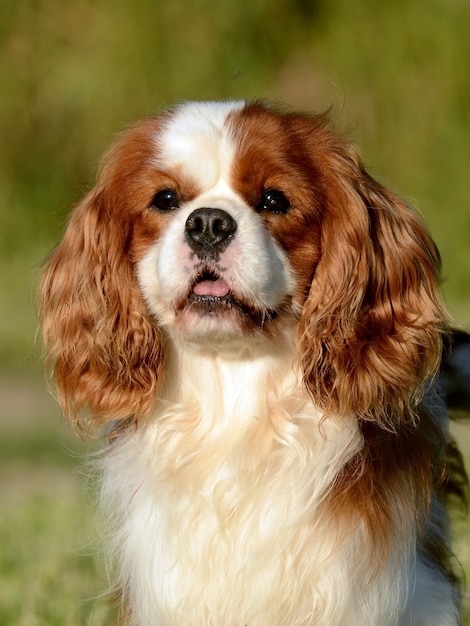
(273, 201)
(165, 200)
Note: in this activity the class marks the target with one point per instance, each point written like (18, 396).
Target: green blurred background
(72, 74)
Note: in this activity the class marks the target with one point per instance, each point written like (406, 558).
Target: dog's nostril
(209, 231)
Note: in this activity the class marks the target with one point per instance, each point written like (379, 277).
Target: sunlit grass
(48, 571)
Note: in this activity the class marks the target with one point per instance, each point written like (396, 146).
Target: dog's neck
(232, 384)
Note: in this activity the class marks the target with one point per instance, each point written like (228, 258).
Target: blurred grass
(50, 571)
(47, 577)
(72, 75)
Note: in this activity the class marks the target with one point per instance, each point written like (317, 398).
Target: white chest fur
(221, 506)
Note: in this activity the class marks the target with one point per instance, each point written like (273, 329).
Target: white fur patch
(432, 599)
(219, 516)
(196, 140)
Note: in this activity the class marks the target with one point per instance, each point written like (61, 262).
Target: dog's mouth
(210, 294)
(209, 284)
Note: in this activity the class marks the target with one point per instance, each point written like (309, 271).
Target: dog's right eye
(273, 201)
(165, 200)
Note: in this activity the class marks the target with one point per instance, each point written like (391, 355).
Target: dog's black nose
(209, 231)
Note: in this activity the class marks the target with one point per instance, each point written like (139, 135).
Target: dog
(253, 324)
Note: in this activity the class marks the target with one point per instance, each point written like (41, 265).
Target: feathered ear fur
(105, 352)
(371, 326)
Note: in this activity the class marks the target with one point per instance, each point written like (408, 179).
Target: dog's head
(217, 225)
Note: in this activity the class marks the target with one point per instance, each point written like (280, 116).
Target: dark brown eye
(165, 200)
(273, 201)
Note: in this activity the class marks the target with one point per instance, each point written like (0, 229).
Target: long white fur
(219, 498)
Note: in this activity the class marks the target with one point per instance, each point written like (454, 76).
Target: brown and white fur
(253, 321)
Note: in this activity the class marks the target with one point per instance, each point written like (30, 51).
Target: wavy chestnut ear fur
(370, 329)
(105, 352)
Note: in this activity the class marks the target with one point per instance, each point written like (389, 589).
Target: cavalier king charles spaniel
(254, 325)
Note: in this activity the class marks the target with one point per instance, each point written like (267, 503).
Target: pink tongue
(217, 288)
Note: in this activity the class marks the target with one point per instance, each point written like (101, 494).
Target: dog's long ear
(105, 352)
(371, 325)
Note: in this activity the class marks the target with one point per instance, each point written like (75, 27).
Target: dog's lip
(211, 292)
(212, 287)
(209, 284)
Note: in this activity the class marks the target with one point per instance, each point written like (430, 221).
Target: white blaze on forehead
(196, 138)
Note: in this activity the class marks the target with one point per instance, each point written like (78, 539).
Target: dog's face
(236, 232)
(222, 223)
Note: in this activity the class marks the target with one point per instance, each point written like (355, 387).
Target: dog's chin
(218, 320)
